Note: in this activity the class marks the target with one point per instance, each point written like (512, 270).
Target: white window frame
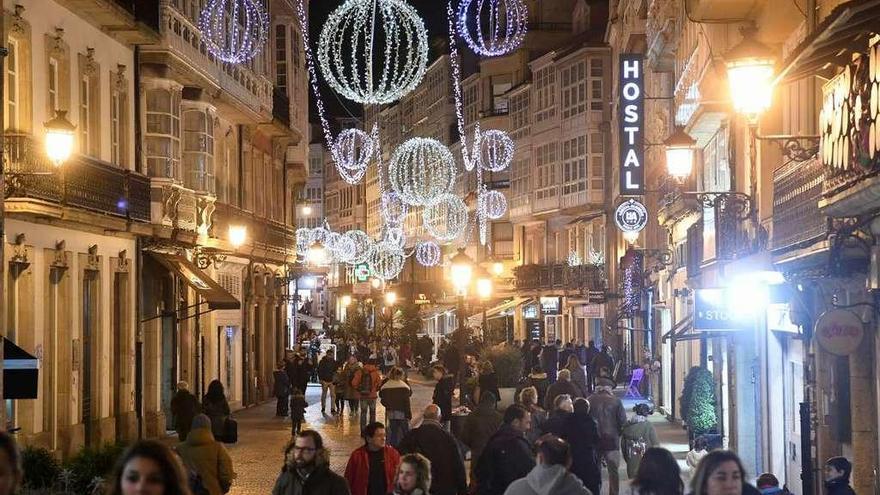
(13, 85)
(85, 112)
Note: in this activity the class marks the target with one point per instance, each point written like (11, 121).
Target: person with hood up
(441, 448)
(350, 392)
(563, 386)
(413, 475)
(578, 375)
(215, 405)
(551, 475)
(508, 455)
(638, 436)
(480, 425)
(207, 457)
(307, 469)
(372, 467)
(538, 379)
(582, 434)
(366, 382)
(443, 391)
(326, 368)
(184, 407)
(395, 394)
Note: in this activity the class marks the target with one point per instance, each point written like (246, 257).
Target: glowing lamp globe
(59, 138)
(462, 269)
(750, 70)
(679, 154)
(346, 300)
(237, 235)
(484, 288)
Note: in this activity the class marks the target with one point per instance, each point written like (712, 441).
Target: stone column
(864, 415)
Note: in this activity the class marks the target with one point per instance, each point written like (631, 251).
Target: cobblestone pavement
(259, 454)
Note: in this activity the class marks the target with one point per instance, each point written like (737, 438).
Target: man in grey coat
(550, 476)
(609, 413)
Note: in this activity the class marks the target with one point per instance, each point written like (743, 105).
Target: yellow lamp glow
(631, 237)
(390, 298)
(59, 138)
(345, 300)
(461, 271)
(317, 255)
(750, 69)
(680, 154)
(484, 288)
(237, 235)
(306, 210)
(497, 268)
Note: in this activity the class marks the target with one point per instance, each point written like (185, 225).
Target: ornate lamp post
(461, 272)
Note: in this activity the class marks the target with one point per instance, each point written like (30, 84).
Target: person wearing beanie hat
(207, 457)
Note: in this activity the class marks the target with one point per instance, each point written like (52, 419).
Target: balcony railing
(581, 279)
(494, 112)
(797, 189)
(82, 182)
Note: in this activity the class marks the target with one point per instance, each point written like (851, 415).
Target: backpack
(366, 387)
(636, 447)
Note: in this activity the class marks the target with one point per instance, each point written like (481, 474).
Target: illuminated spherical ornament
(234, 31)
(394, 209)
(363, 246)
(373, 51)
(496, 150)
(352, 151)
(428, 253)
(341, 247)
(318, 234)
(303, 240)
(395, 236)
(447, 218)
(493, 27)
(421, 170)
(387, 260)
(493, 204)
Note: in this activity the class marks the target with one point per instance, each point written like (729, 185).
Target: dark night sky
(432, 11)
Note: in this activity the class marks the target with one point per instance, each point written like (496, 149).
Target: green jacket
(637, 436)
(209, 458)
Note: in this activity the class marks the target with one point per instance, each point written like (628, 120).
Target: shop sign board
(839, 331)
(361, 288)
(551, 305)
(590, 311)
(631, 120)
(716, 310)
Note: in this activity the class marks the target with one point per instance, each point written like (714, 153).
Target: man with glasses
(306, 469)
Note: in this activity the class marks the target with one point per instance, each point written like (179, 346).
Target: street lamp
(390, 298)
(750, 67)
(317, 254)
(680, 154)
(59, 138)
(376, 283)
(346, 300)
(631, 236)
(237, 235)
(461, 271)
(306, 210)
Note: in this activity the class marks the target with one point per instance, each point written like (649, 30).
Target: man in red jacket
(371, 468)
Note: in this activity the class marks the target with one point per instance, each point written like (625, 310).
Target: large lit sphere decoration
(363, 246)
(428, 253)
(493, 27)
(447, 218)
(496, 150)
(421, 170)
(387, 260)
(303, 240)
(394, 209)
(341, 247)
(395, 236)
(234, 31)
(493, 204)
(318, 234)
(352, 151)
(358, 29)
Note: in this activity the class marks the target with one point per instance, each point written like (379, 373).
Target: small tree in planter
(41, 470)
(698, 402)
(507, 361)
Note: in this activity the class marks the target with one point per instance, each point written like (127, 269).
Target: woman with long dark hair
(214, 404)
(149, 468)
(658, 474)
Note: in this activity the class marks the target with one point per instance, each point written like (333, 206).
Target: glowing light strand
(507, 22)
(234, 31)
(428, 253)
(447, 219)
(454, 62)
(420, 170)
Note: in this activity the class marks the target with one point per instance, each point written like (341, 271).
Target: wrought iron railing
(81, 182)
(797, 188)
(581, 278)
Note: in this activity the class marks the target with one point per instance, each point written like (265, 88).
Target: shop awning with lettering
(212, 292)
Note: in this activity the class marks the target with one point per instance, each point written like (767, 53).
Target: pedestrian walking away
(215, 405)
(306, 469)
(563, 386)
(395, 396)
(149, 467)
(298, 407)
(480, 425)
(371, 469)
(184, 407)
(563, 407)
(658, 473)
(550, 476)
(413, 476)
(609, 413)
(638, 436)
(582, 434)
(326, 370)
(538, 379)
(443, 391)
(507, 456)
(282, 390)
(366, 382)
(205, 456)
(440, 447)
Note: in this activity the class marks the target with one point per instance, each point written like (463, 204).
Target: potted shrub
(698, 402)
(507, 361)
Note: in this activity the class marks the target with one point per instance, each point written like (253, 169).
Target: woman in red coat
(371, 468)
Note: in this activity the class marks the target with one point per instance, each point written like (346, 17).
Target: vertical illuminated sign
(631, 119)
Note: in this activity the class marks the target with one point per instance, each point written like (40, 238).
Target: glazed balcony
(274, 239)
(560, 279)
(662, 32)
(797, 221)
(83, 183)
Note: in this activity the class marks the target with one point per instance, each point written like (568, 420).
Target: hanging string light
(363, 246)
(574, 259)
(394, 210)
(342, 248)
(492, 204)
(352, 151)
(468, 157)
(496, 150)
(421, 169)
(346, 50)
(395, 236)
(428, 253)
(318, 235)
(447, 218)
(386, 261)
(506, 22)
(303, 240)
(234, 31)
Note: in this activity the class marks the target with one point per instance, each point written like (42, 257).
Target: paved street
(258, 455)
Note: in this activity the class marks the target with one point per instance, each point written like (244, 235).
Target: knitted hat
(201, 421)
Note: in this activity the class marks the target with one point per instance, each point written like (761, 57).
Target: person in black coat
(440, 447)
(507, 456)
(326, 370)
(487, 381)
(562, 409)
(582, 433)
(443, 391)
(550, 361)
(282, 390)
(184, 407)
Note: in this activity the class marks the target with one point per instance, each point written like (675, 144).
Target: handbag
(230, 431)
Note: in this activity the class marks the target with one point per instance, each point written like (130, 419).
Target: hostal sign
(631, 119)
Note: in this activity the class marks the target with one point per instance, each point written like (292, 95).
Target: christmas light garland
(386, 261)
(506, 20)
(352, 151)
(496, 150)
(468, 158)
(447, 218)
(234, 31)
(394, 209)
(428, 253)
(363, 246)
(492, 204)
(395, 236)
(346, 48)
(421, 170)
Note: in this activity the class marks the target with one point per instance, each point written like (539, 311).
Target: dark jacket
(326, 368)
(184, 407)
(609, 414)
(838, 487)
(479, 427)
(537, 380)
(322, 481)
(282, 383)
(443, 391)
(582, 433)
(489, 383)
(555, 423)
(581, 353)
(395, 396)
(439, 446)
(218, 411)
(559, 388)
(298, 407)
(602, 365)
(507, 457)
(550, 361)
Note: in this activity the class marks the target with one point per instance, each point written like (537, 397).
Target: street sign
(631, 120)
(631, 216)
(717, 310)
(839, 331)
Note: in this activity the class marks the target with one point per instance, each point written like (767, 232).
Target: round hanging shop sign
(631, 216)
(839, 331)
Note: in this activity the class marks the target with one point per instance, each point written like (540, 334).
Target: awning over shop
(496, 312)
(845, 30)
(20, 372)
(587, 217)
(430, 312)
(213, 293)
(679, 330)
